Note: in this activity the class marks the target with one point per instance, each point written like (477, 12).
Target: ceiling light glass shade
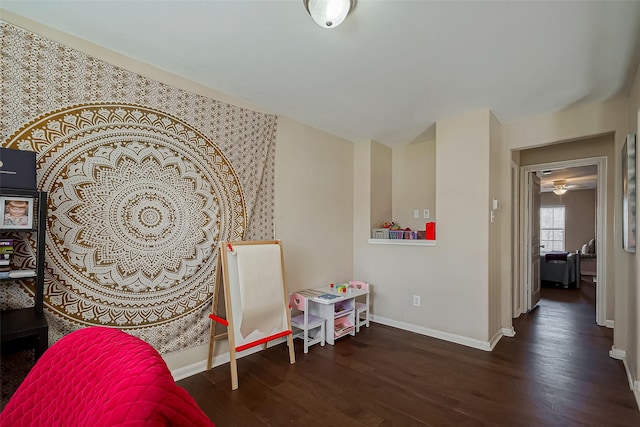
(328, 13)
(559, 187)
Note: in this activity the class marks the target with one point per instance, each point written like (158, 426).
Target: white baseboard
(634, 384)
(494, 340)
(221, 359)
(458, 339)
(609, 324)
(616, 353)
(195, 368)
(509, 332)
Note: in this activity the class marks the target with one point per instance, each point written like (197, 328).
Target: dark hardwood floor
(556, 371)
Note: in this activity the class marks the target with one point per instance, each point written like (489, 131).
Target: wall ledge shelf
(402, 242)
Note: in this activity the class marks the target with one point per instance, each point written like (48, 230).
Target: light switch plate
(416, 213)
(426, 213)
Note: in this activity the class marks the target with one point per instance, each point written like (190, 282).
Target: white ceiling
(390, 71)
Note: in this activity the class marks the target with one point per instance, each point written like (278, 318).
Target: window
(551, 228)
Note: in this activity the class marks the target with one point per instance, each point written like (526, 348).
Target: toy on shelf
(392, 230)
(391, 225)
(341, 289)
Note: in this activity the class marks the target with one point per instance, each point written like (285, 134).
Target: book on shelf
(6, 242)
(328, 296)
(4, 275)
(341, 328)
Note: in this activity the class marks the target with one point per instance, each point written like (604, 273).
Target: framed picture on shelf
(16, 213)
(629, 194)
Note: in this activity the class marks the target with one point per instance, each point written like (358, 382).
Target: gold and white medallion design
(138, 201)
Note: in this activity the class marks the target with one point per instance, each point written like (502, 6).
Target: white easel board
(256, 299)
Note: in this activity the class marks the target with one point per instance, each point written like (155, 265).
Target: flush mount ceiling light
(328, 13)
(560, 187)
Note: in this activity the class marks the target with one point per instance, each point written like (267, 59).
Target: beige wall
(498, 222)
(580, 214)
(579, 123)
(414, 183)
(452, 277)
(381, 188)
(314, 205)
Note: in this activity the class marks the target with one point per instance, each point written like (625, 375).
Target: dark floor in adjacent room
(556, 371)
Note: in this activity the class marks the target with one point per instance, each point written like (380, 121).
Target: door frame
(601, 221)
(516, 303)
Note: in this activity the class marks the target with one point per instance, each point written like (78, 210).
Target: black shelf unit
(29, 324)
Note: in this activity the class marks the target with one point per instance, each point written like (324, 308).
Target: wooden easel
(228, 280)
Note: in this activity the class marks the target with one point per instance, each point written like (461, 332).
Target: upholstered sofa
(560, 268)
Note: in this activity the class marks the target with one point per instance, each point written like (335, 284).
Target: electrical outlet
(416, 213)
(416, 300)
(426, 213)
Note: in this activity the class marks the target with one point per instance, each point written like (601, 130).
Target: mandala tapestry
(141, 190)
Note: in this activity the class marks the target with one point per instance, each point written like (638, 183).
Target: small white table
(337, 308)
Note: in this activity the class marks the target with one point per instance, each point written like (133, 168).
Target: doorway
(526, 285)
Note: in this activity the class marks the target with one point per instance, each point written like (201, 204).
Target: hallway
(571, 371)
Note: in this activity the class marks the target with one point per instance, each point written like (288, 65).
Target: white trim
(601, 221)
(609, 324)
(634, 385)
(402, 242)
(509, 332)
(516, 303)
(616, 353)
(221, 359)
(495, 339)
(457, 339)
(194, 368)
